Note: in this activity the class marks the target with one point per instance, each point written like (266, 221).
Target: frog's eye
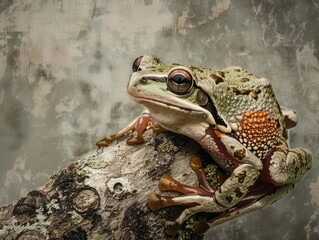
(179, 81)
(136, 64)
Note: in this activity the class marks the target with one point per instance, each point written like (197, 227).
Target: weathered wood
(103, 194)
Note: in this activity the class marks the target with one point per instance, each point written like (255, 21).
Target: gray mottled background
(64, 66)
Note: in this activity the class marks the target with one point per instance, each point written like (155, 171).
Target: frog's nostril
(143, 80)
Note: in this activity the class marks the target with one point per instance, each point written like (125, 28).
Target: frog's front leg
(286, 166)
(137, 127)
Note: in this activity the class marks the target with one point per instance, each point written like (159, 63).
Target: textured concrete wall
(64, 66)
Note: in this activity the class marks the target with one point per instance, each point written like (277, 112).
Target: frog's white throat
(173, 117)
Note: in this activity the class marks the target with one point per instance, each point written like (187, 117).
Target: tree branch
(103, 194)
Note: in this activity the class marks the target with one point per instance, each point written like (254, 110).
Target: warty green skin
(234, 92)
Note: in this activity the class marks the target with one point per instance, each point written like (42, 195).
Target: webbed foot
(168, 183)
(193, 196)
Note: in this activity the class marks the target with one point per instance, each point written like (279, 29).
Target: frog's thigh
(236, 185)
(289, 165)
(243, 177)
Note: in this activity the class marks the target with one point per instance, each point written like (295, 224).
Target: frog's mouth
(157, 102)
(170, 114)
(148, 101)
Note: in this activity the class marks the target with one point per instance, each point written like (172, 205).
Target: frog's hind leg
(251, 202)
(227, 195)
(203, 198)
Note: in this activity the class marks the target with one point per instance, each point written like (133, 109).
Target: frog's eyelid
(181, 67)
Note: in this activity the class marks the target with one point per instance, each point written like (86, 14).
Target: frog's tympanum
(235, 117)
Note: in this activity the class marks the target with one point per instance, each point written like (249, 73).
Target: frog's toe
(201, 227)
(196, 163)
(135, 139)
(172, 228)
(156, 202)
(104, 142)
(168, 183)
(159, 129)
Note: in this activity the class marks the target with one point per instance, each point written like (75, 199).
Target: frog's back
(237, 91)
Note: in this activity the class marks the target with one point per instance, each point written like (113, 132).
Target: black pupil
(179, 79)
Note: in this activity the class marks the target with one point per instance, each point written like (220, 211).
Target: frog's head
(175, 94)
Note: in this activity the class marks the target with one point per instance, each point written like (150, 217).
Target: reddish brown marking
(222, 151)
(260, 130)
(240, 154)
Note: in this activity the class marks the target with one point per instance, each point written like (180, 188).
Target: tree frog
(235, 117)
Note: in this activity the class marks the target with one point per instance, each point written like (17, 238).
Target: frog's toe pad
(196, 163)
(172, 228)
(167, 183)
(135, 139)
(104, 142)
(154, 201)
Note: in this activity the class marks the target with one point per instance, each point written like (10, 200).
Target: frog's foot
(137, 127)
(194, 196)
(168, 183)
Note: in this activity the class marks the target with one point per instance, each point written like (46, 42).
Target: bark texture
(103, 194)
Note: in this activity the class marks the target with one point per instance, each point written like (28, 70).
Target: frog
(233, 115)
